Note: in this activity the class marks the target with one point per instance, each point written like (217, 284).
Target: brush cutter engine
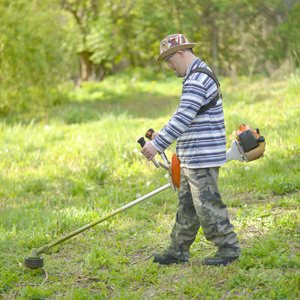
(248, 146)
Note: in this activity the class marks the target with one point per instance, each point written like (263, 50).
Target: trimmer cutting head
(33, 263)
(34, 260)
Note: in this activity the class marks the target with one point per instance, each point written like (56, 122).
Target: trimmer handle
(142, 142)
(149, 133)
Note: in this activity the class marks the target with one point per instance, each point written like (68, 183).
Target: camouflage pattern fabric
(200, 204)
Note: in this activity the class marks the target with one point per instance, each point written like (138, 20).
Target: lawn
(71, 164)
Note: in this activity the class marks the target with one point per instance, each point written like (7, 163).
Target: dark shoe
(167, 258)
(219, 261)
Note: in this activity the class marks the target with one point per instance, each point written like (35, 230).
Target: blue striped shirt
(201, 139)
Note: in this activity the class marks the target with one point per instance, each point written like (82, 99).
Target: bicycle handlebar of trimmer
(148, 135)
(142, 142)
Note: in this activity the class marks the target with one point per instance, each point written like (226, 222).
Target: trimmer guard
(175, 171)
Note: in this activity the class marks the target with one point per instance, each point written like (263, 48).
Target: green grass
(69, 165)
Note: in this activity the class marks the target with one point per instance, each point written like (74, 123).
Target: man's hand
(154, 134)
(149, 150)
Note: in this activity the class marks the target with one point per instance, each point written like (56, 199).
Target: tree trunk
(214, 37)
(86, 65)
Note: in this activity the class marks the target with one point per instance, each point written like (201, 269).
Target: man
(201, 150)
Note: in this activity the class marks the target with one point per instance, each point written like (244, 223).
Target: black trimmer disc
(33, 263)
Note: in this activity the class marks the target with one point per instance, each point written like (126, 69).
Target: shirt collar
(192, 66)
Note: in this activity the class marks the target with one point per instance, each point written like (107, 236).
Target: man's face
(176, 63)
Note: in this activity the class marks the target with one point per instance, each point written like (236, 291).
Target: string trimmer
(248, 146)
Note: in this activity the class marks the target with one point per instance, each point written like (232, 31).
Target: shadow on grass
(142, 105)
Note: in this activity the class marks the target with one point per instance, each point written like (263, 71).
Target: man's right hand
(154, 134)
(149, 151)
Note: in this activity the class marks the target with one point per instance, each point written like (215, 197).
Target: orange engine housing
(252, 142)
(243, 128)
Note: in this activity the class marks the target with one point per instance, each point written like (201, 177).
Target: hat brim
(174, 49)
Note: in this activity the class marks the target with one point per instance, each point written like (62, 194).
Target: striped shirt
(201, 139)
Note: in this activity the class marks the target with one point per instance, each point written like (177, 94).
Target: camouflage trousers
(200, 204)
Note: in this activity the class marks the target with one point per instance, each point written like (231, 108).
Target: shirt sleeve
(193, 96)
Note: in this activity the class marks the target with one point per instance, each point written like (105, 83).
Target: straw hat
(173, 43)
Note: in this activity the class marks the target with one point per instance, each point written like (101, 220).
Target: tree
(35, 56)
(98, 23)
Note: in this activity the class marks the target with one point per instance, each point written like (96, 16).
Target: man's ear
(181, 53)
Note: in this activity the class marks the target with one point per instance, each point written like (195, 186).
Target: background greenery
(79, 85)
(47, 47)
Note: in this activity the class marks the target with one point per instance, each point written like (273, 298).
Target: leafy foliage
(34, 55)
(47, 47)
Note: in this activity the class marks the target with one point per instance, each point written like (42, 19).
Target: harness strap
(214, 101)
